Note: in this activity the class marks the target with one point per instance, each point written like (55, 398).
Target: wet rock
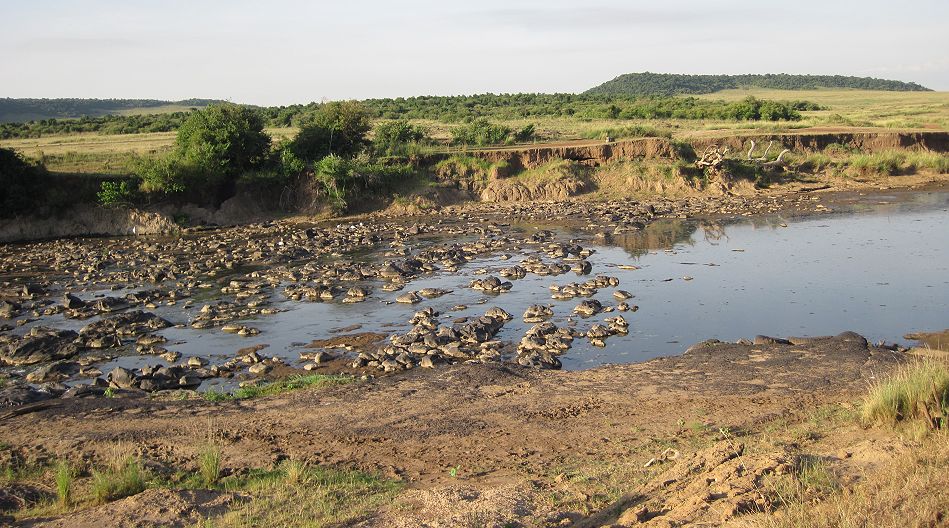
(57, 371)
(9, 310)
(409, 298)
(537, 313)
(122, 378)
(491, 285)
(40, 345)
(588, 308)
(622, 295)
(21, 394)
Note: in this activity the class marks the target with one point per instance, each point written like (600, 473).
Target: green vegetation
(398, 138)
(297, 494)
(213, 148)
(278, 387)
(64, 483)
(124, 477)
(630, 131)
(12, 110)
(20, 183)
(115, 193)
(209, 464)
(336, 128)
(647, 83)
(919, 390)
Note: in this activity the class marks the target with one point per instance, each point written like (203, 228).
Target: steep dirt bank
(86, 220)
(808, 143)
(530, 157)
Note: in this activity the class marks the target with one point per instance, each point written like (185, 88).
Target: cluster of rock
(429, 343)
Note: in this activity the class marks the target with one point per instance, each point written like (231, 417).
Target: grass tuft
(915, 390)
(209, 462)
(64, 483)
(124, 477)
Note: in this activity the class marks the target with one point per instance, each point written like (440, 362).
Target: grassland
(844, 109)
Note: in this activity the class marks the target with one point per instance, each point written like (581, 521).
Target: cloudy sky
(293, 51)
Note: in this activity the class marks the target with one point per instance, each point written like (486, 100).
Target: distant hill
(21, 110)
(647, 83)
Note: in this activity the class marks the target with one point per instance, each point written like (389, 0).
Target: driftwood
(763, 160)
(712, 158)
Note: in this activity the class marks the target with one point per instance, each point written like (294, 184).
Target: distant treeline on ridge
(647, 83)
(19, 110)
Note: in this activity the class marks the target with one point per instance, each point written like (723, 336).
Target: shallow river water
(880, 269)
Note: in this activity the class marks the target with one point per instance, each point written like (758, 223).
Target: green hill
(21, 110)
(647, 83)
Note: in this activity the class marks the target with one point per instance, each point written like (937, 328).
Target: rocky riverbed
(81, 317)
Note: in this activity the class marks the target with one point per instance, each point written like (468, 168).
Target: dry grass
(910, 491)
(918, 390)
(862, 108)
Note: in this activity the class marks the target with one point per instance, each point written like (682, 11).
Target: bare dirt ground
(511, 434)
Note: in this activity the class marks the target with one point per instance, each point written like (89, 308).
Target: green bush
(336, 128)
(481, 132)
(395, 138)
(22, 184)
(115, 193)
(344, 178)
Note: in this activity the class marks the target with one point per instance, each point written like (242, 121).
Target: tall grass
(209, 464)
(64, 483)
(630, 131)
(894, 162)
(911, 392)
(124, 477)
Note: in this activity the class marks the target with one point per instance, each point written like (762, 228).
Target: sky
(277, 52)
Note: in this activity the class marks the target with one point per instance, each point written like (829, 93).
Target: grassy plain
(845, 109)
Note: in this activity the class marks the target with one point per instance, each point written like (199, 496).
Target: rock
(71, 302)
(57, 371)
(9, 310)
(259, 369)
(409, 298)
(40, 345)
(622, 295)
(537, 313)
(21, 394)
(122, 378)
(588, 308)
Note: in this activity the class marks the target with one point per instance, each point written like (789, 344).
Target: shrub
(482, 132)
(114, 193)
(394, 138)
(343, 178)
(21, 184)
(338, 128)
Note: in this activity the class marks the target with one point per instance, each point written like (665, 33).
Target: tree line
(450, 109)
(669, 84)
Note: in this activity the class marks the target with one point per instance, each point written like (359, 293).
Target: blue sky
(291, 51)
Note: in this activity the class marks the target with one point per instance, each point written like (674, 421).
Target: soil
(508, 430)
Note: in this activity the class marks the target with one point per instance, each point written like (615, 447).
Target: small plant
(124, 477)
(114, 193)
(109, 392)
(295, 471)
(453, 472)
(210, 464)
(64, 482)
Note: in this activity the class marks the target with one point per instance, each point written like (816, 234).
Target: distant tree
(21, 184)
(339, 128)
(393, 137)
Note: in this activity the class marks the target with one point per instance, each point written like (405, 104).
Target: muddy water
(880, 269)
